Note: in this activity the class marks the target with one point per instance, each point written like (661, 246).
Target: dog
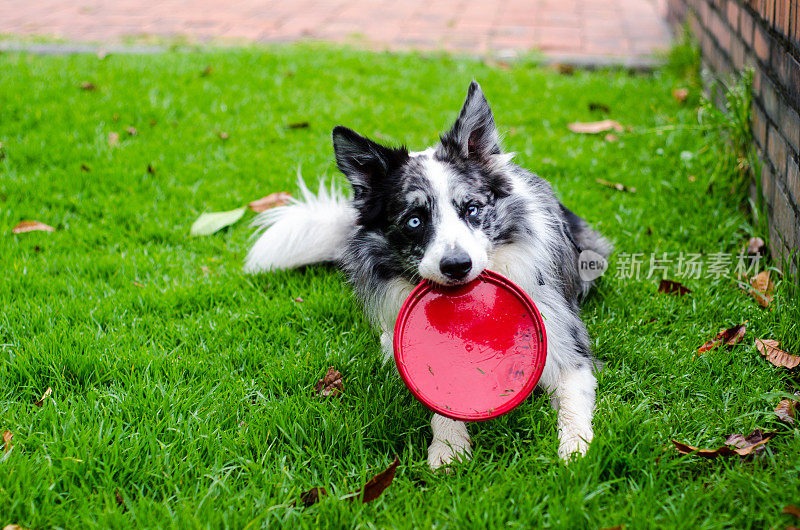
(446, 214)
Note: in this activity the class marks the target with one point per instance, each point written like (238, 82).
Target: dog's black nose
(456, 266)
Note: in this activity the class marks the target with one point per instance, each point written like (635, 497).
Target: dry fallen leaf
(728, 337)
(377, 484)
(88, 86)
(297, 125)
(331, 384)
(564, 69)
(616, 185)
(762, 289)
(755, 245)
(596, 105)
(7, 436)
(791, 509)
(743, 445)
(680, 94)
(594, 127)
(312, 496)
(769, 349)
(670, 287)
(31, 226)
(270, 201)
(113, 139)
(44, 396)
(786, 410)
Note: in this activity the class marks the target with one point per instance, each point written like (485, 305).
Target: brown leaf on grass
(728, 337)
(753, 443)
(791, 509)
(596, 105)
(44, 396)
(670, 287)
(297, 125)
(7, 436)
(31, 226)
(615, 185)
(786, 410)
(594, 127)
(312, 496)
(769, 349)
(113, 139)
(270, 201)
(378, 484)
(762, 289)
(223, 135)
(756, 245)
(680, 94)
(132, 131)
(88, 86)
(331, 384)
(564, 69)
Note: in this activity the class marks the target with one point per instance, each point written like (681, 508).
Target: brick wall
(765, 36)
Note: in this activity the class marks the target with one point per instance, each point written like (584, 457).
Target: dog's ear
(367, 165)
(364, 162)
(473, 135)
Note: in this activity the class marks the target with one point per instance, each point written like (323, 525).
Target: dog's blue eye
(414, 222)
(473, 211)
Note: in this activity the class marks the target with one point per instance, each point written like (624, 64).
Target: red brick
(793, 181)
(733, 14)
(761, 43)
(769, 96)
(736, 51)
(784, 217)
(789, 121)
(777, 150)
(746, 26)
(759, 126)
(767, 183)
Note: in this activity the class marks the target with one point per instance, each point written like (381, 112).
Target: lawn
(183, 389)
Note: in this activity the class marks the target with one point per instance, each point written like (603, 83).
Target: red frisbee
(471, 352)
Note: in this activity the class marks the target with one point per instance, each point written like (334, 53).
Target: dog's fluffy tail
(311, 229)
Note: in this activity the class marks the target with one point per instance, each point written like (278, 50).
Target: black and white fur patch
(446, 214)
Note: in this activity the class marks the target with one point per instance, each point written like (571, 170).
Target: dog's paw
(441, 453)
(574, 446)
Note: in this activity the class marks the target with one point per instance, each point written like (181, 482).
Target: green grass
(185, 386)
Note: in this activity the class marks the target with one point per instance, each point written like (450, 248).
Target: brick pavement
(584, 29)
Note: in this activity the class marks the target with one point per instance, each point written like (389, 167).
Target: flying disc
(471, 352)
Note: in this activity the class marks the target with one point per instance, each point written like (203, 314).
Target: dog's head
(436, 210)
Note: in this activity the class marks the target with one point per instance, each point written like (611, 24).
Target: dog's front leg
(450, 437)
(573, 398)
(450, 441)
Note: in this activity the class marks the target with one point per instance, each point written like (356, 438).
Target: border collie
(445, 214)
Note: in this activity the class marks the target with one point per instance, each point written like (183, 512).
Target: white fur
(311, 230)
(450, 442)
(449, 230)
